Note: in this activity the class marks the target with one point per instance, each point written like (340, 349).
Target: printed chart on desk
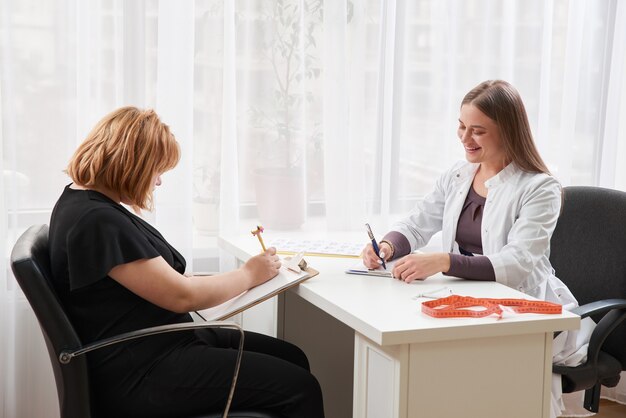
(318, 247)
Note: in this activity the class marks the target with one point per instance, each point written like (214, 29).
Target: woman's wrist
(445, 262)
(392, 249)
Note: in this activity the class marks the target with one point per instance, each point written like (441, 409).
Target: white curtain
(355, 101)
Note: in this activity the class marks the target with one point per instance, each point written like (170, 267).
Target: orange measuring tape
(456, 306)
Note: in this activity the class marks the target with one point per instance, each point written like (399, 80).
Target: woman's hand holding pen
(411, 267)
(420, 266)
(262, 267)
(371, 260)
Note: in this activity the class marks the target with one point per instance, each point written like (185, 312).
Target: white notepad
(359, 268)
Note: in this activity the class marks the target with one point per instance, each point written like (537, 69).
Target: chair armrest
(616, 309)
(599, 307)
(596, 308)
(66, 356)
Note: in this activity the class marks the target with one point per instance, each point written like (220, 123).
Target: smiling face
(480, 137)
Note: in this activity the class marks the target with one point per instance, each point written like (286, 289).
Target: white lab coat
(519, 216)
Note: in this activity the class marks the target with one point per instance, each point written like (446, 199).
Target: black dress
(168, 375)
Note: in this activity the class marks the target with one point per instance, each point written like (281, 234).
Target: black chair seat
(586, 375)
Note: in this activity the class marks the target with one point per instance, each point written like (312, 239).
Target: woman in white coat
(496, 211)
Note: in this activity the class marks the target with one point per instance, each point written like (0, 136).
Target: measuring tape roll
(456, 306)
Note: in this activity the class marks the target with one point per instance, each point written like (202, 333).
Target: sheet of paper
(284, 280)
(318, 247)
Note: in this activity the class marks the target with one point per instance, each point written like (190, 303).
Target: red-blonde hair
(123, 153)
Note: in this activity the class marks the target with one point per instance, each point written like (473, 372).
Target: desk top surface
(385, 310)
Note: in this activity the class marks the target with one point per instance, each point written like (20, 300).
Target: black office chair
(588, 253)
(31, 265)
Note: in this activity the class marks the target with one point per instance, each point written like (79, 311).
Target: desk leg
(380, 379)
(547, 378)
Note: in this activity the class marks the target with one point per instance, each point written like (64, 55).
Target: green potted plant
(289, 50)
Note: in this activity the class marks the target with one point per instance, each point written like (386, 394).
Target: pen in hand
(375, 245)
(257, 233)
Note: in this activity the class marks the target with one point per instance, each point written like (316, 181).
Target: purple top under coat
(471, 264)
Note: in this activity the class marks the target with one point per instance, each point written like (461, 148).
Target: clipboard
(285, 279)
(360, 268)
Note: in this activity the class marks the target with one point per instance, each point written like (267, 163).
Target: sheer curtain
(340, 110)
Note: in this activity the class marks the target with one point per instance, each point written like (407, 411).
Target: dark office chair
(31, 266)
(588, 253)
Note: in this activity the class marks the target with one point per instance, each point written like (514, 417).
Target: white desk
(402, 363)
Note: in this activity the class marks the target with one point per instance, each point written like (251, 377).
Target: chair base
(592, 398)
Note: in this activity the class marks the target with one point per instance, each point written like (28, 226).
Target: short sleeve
(100, 240)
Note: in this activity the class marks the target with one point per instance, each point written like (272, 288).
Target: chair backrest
(30, 262)
(588, 251)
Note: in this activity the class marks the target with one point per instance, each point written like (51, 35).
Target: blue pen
(375, 244)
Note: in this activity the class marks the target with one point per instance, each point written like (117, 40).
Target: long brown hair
(123, 153)
(501, 102)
